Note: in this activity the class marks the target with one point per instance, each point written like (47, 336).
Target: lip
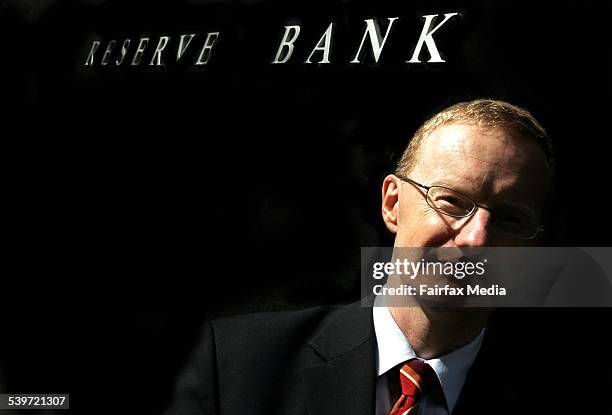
(454, 254)
(449, 254)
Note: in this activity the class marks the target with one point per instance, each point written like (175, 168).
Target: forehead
(485, 161)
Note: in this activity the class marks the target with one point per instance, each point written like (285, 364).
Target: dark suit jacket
(322, 361)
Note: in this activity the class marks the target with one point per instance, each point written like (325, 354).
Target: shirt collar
(393, 349)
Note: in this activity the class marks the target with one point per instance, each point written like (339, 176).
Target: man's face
(495, 167)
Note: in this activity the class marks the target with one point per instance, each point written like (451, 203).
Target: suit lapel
(488, 387)
(342, 381)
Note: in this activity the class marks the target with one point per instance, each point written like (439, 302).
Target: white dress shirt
(393, 348)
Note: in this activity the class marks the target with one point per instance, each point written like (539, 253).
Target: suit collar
(344, 331)
(345, 380)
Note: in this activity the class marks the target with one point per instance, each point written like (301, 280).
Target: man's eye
(454, 202)
(451, 204)
(451, 200)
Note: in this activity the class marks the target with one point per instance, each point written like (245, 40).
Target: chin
(454, 313)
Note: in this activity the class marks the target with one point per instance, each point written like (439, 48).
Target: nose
(475, 230)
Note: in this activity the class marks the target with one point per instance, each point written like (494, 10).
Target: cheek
(422, 226)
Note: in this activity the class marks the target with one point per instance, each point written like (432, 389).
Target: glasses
(509, 221)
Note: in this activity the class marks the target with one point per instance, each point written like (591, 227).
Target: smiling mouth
(454, 254)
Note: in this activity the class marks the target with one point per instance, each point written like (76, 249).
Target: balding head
(480, 113)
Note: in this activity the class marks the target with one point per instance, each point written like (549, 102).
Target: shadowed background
(144, 200)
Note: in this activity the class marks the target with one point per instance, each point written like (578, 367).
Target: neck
(436, 332)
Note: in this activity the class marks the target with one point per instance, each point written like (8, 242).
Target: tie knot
(417, 378)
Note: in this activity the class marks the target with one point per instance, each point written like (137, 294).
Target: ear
(390, 202)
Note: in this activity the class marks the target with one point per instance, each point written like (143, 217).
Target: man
(364, 360)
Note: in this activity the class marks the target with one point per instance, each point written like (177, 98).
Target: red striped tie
(417, 379)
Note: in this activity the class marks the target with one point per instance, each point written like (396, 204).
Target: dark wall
(143, 200)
